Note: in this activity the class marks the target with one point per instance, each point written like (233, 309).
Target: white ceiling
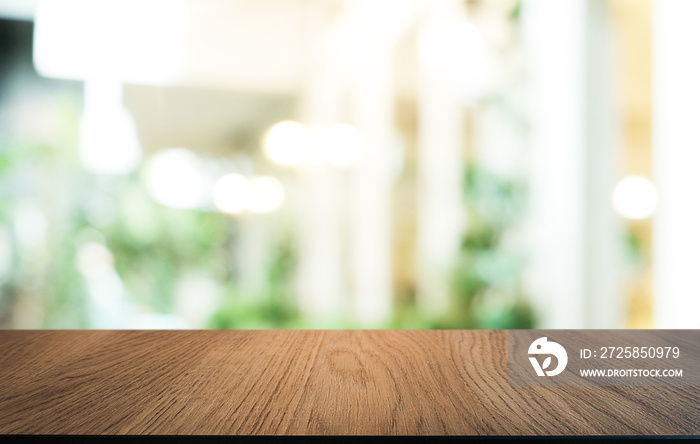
(244, 64)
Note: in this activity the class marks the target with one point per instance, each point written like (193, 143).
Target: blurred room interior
(349, 164)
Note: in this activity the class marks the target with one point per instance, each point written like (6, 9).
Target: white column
(370, 240)
(554, 38)
(603, 290)
(321, 286)
(252, 254)
(574, 276)
(439, 161)
(676, 149)
(363, 40)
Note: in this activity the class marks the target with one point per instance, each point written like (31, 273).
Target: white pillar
(321, 286)
(354, 57)
(603, 289)
(554, 32)
(574, 276)
(439, 161)
(676, 148)
(370, 241)
(252, 254)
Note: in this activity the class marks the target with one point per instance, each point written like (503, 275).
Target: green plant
(486, 281)
(272, 307)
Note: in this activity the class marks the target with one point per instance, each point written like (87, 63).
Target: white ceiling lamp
(108, 139)
(106, 43)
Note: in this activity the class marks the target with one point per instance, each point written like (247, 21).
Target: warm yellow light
(231, 193)
(635, 197)
(287, 143)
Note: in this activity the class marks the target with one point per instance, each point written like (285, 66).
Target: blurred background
(349, 164)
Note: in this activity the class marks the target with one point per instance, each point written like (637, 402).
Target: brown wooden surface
(305, 382)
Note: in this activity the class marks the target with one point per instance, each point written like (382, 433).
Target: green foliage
(66, 296)
(152, 245)
(515, 14)
(39, 171)
(633, 248)
(486, 287)
(259, 314)
(272, 307)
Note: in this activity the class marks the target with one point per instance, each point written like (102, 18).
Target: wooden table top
(306, 382)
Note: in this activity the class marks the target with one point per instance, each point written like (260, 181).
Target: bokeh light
(635, 197)
(94, 259)
(174, 179)
(231, 193)
(287, 143)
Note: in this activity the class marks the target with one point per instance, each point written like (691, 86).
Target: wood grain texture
(306, 382)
